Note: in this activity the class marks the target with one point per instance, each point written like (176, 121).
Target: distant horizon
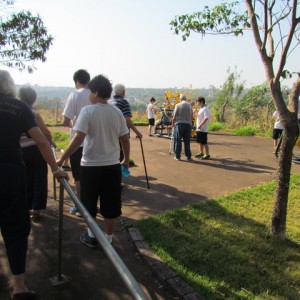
(132, 43)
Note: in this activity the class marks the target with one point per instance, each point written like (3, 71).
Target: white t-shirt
(203, 113)
(75, 102)
(277, 124)
(103, 125)
(150, 111)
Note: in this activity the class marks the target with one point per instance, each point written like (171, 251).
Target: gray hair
(119, 89)
(27, 94)
(7, 85)
(182, 97)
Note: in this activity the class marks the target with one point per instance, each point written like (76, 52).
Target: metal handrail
(123, 271)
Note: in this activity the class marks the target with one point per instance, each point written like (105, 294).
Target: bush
(216, 126)
(245, 131)
(61, 139)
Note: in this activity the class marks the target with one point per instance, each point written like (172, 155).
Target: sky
(131, 42)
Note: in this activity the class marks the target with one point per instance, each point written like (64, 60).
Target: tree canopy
(23, 39)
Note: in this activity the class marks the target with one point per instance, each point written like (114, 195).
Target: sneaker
(74, 210)
(200, 154)
(176, 158)
(87, 240)
(189, 159)
(206, 156)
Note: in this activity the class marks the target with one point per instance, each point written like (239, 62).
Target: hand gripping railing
(123, 271)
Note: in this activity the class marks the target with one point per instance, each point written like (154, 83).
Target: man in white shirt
(75, 102)
(202, 128)
(151, 115)
(101, 126)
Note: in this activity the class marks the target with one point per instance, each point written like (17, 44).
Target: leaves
(221, 19)
(23, 40)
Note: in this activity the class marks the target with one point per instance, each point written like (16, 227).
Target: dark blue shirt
(122, 104)
(16, 117)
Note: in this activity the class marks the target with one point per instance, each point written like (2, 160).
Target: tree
(251, 106)
(275, 27)
(230, 92)
(23, 39)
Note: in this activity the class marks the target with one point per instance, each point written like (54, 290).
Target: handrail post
(60, 278)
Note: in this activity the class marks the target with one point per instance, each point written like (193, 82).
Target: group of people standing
(98, 147)
(182, 121)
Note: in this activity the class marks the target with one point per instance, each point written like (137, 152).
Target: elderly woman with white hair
(16, 117)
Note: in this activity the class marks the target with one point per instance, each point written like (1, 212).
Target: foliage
(216, 126)
(276, 31)
(23, 39)
(245, 131)
(254, 104)
(230, 93)
(221, 19)
(223, 247)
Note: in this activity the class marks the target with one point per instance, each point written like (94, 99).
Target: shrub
(216, 126)
(245, 131)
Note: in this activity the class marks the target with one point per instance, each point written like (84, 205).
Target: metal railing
(121, 268)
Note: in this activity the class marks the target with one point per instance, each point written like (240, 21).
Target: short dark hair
(27, 94)
(152, 99)
(82, 76)
(201, 99)
(101, 85)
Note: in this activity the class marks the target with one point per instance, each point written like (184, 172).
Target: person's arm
(124, 140)
(44, 129)
(46, 151)
(67, 122)
(132, 126)
(75, 143)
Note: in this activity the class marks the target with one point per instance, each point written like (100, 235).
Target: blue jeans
(182, 131)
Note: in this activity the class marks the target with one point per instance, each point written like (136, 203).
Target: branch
(295, 22)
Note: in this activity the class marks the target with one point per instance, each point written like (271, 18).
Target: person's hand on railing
(59, 173)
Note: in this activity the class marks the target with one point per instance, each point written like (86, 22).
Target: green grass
(61, 139)
(216, 126)
(245, 131)
(223, 247)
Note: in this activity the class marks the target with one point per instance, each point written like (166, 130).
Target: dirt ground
(236, 163)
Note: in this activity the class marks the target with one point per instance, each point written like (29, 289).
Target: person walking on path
(151, 115)
(36, 166)
(202, 128)
(103, 127)
(277, 129)
(75, 102)
(16, 117)
(182, 123)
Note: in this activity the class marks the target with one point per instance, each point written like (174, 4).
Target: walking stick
(144, 164)
(171, 142)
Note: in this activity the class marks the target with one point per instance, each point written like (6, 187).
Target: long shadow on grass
(228, 256)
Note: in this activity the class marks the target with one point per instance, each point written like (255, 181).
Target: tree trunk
(283, 178)
(290, 124)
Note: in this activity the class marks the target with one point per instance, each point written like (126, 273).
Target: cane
(171, 142)
(144, 164)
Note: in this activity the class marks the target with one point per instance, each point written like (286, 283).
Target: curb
(162, 272)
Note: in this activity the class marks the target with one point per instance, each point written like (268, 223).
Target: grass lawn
(223, 247)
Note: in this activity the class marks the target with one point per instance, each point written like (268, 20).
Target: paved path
(237, 162)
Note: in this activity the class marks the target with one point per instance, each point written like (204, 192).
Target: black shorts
(105, 183)
(151, 121)
(277, 133)
(202, 137)
(75, 160)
